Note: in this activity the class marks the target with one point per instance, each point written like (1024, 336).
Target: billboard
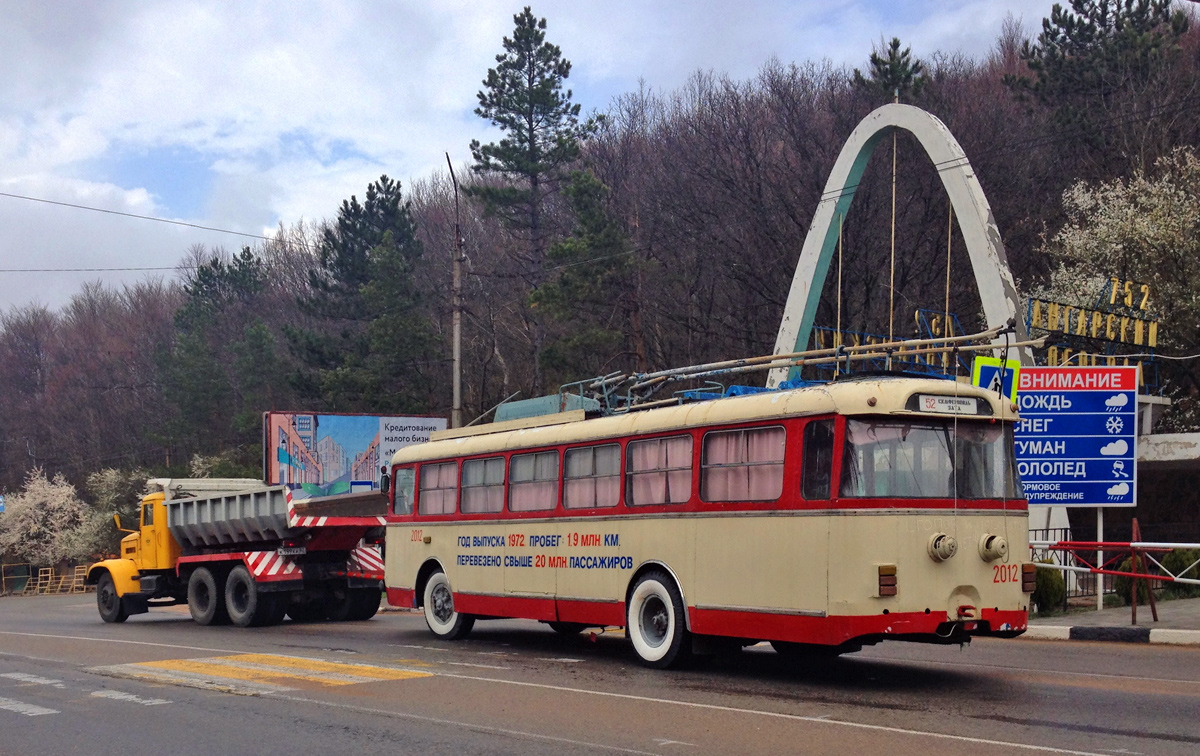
(331, 454)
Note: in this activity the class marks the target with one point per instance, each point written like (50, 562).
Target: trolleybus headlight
(992, 547)
(1028, 577)
(942, 547)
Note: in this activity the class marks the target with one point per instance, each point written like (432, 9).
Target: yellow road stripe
(316, 665)
(262, 668)
(196, 666)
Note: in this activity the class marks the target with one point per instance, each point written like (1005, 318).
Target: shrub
(1124, 585)
(1181, 559)
(1050, 590)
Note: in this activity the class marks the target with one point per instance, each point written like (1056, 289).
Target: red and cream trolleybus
(819, 519)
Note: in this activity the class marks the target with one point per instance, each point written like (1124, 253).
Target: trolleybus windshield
(928, 460)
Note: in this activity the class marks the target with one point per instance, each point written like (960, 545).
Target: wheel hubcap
(443, 604)
(655, 621)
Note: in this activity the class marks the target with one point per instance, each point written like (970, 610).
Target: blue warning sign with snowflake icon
(1076, 442)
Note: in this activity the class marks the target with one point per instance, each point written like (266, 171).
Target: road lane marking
(481, 666)
(778, 715)
(28, 710)
(117, 695)
(31, 679)
(126, 642)
(561, 660)
(251, 674)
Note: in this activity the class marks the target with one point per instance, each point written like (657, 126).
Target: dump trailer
(239, 551)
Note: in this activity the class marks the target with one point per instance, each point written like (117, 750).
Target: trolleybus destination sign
(1076, 443)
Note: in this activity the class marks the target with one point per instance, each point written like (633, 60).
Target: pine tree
(372, 342)
(593, 293)
(523, 95)
(893, 74)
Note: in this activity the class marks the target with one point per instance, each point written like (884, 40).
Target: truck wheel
(339, 605)
(108, 601)
(655, 622)
(246, 604)
(366, 604)
(439, 610)
(206, 600)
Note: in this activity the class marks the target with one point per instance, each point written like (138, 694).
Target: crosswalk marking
(117, 695)
(28, 710)
(31, 679)
(256, 673)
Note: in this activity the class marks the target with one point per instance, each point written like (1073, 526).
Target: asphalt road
(70, 684)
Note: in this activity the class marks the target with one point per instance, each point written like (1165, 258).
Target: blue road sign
(1076, 443)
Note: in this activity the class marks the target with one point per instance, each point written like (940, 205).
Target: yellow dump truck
(239, 551)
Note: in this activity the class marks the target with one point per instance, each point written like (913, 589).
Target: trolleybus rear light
(1028, 577)
(887, 580)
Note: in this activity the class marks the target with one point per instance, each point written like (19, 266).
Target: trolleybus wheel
(439, 610)
(206, 598)
(655, 623)
(107, 600)
(246, 604)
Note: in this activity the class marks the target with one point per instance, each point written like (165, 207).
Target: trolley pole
(456, 306)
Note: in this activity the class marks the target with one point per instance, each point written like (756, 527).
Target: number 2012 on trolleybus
(819, 519)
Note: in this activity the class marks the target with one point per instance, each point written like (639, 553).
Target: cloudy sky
(242, 115)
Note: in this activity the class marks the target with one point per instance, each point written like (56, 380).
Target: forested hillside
(661, 229)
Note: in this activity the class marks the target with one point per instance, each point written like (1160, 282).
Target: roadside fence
(27, 580)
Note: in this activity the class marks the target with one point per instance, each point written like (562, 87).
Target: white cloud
(1116, 401)
(290, 109)
(1120, 489)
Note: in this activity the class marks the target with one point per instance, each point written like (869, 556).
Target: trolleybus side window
(533, 481)
(817, 469)
(592, 477)
(483, 485)
(404, 484)
(659, 471)
(742, 465)
(439, 488)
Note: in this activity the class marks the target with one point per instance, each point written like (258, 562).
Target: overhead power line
(135, 215)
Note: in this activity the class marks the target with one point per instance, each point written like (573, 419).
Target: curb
(1114, 634)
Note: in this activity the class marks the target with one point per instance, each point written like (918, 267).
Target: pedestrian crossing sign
(996, 375)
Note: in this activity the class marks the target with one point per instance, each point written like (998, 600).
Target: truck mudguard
(124, 574)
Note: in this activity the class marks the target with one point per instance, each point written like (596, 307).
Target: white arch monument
(978, 226)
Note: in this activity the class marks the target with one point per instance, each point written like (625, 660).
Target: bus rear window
(922, 460)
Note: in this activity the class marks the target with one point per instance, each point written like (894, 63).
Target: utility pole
(456, 306)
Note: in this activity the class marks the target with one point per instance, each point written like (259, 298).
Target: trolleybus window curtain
(533, 481)
(483, 485)
(439, 488)
(592, 477)
(660, 471)
(742, 465)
